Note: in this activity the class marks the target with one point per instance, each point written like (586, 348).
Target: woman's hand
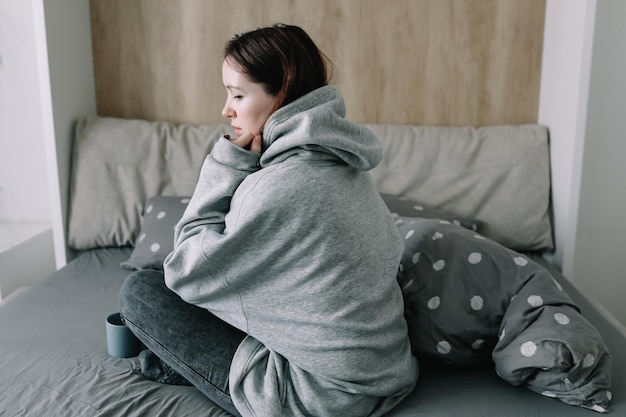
(248, 141)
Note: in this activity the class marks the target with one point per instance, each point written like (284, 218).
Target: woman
(280, 297)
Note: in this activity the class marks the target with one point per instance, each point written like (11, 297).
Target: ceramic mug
(121, 342)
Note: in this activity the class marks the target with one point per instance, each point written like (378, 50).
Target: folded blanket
(470, 300)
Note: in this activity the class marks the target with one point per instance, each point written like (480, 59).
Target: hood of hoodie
(314, 126)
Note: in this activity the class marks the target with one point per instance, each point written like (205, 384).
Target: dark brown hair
(282, 58)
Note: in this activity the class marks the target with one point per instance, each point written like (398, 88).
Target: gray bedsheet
(53, 361)
(53, 357)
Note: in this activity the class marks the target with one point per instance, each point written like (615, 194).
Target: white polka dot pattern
(474, 258)
(589, 360)
(400, 206)
(408, 285)
(521, 261)
(444, 347)
(471, 300)
(434, 302)
(478, 344)
(535, 301)
(156, 238)
(528, 349)
(439, 265)
(477, 303)
(415, 258)
(561, 319)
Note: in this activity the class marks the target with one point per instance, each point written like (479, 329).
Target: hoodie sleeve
(205, 218)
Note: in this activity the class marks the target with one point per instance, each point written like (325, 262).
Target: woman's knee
(138, 288)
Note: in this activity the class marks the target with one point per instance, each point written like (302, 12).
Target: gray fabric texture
(156, 236)
(470, 300)
(440, 311)
(499, 175)
(118, 164)
(54, 360)
(53, 351)
(475, 173)
(296, 248)
(160, 215)
(405, 207)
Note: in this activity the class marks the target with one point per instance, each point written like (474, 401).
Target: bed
(491, 185)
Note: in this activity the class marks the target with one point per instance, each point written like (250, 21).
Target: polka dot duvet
(470, 300)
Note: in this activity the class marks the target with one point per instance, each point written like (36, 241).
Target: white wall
(65, 46)
(600, 251)
(46, 83)
(24, 195)
(566, 64)
(583, 102)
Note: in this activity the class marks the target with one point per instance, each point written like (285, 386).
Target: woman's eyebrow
(233, 87)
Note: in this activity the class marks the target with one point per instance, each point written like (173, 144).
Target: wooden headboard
(433, 62)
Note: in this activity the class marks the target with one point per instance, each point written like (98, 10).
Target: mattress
(54, 362)
(53, 355)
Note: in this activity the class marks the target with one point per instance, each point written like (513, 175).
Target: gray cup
(121, 342)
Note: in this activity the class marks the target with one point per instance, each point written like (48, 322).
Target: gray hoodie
(296, 248)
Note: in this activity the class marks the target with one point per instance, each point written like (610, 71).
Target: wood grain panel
(437, 62)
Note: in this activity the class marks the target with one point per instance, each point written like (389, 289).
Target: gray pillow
(470, 300)
(117, 164)
(156, 237)
(160, 214)
(499, 175)
(434, 277)
(401, 206)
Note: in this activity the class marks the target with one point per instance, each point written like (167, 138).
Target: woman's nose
(227, 111)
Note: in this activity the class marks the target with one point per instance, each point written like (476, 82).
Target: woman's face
(247, 105)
